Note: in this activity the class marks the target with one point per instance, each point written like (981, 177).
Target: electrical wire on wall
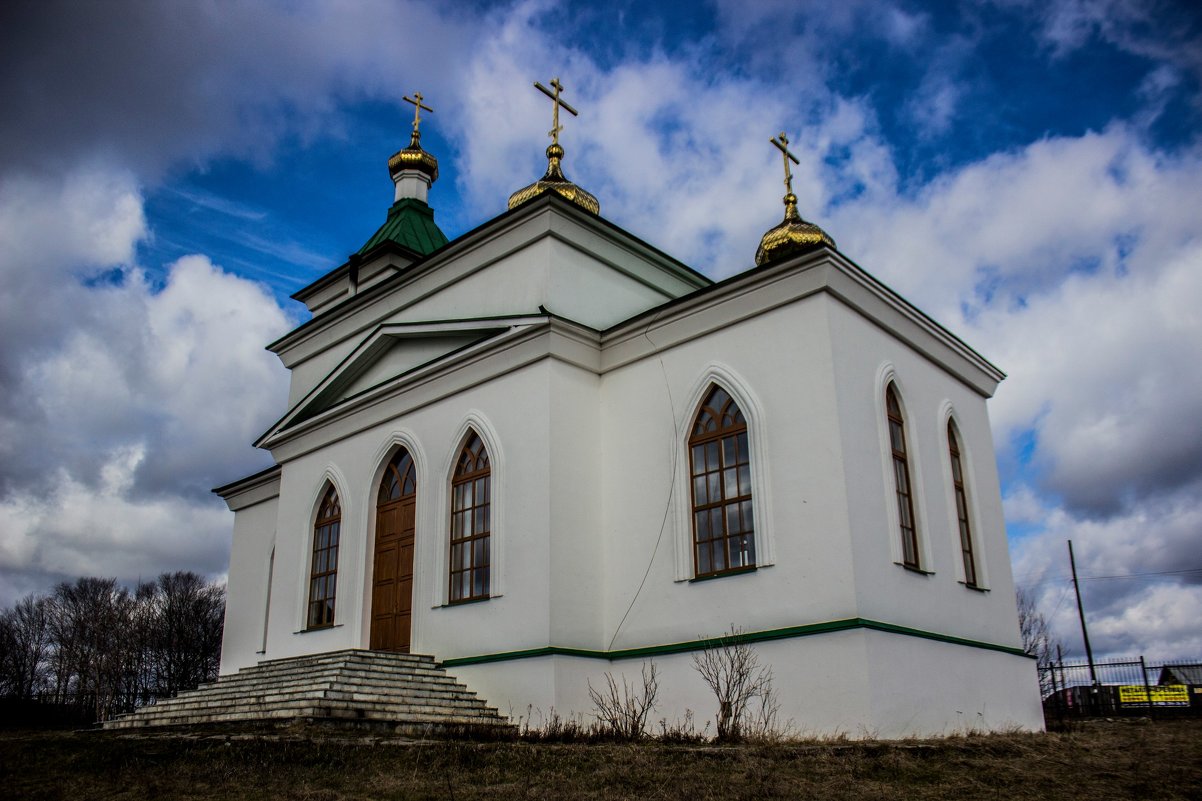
(671, 480)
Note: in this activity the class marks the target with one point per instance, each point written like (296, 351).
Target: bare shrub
(535, 727)
(682, 732)
(623, 712)
(733, 672)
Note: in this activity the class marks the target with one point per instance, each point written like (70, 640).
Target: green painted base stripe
(786, 633)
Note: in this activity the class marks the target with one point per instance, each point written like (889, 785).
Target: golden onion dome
(792, 237)
(554, 181)
(413, 158)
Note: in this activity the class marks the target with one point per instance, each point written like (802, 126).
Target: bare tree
(87, 621)
(186, 622)
(95, 646)
(733, 672)
(1037, 637)
(24, 647)
(623, 712)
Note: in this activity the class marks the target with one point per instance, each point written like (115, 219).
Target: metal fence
(1120, 687)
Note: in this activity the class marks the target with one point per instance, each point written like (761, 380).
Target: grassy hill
(1100, 760)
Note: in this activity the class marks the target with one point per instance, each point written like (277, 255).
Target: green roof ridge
(410, 224)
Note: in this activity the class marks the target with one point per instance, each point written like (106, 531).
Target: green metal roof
(410, 224)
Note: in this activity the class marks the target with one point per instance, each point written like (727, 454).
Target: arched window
(901, 478)
(323, 576)
(970, 566)
(720, 462)
(471, 500)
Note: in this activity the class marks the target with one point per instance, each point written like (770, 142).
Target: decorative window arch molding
(947, 414)
(886, 375)
(474, 420)
(761, 503)
(331, 475)
(400, 438)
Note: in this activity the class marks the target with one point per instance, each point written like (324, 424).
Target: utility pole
(1093, 675)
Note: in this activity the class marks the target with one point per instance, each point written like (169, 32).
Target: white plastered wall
(936, 599)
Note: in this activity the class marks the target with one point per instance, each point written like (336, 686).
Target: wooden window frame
(472, 536)
(405, 483)
(903, 482)
(323, 569)
(729, 435)
(960, 498)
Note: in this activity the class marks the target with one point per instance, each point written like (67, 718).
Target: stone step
(174, 705)
(313, 706)
(365, 657)
(314, 712)
(445, 685)
(350, 668)
(398, 692)
(401, 690)
(329, 703)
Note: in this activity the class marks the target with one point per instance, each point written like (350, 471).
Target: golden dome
(554, 181)
(414, 158)
(792, 237)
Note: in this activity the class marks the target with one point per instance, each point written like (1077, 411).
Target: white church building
(545, 450)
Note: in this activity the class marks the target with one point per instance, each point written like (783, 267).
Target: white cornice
(253, 489)
(762, 289)
(478, 249)
(499, 355)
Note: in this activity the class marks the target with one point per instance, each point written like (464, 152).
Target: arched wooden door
(392, 578)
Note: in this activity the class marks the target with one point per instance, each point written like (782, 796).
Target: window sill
(313, 629)
(467, 601)
(973, 587)
(916, 570)
(737, 572)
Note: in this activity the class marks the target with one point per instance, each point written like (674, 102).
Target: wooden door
(392, 577)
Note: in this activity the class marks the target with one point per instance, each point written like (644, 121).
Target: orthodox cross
(782, 143)
(416, 100)
(556, 103)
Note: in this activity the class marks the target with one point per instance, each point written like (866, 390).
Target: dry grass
(1104, 760)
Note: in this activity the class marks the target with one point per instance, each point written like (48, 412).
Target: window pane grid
(723, 529)
(471, 506)
(901, 478)
(970, 567)
(324, 572)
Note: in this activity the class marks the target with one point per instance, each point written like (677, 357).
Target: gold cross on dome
(556, 102)
(416, 100)
(782, 144)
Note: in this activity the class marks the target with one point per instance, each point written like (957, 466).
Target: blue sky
(1029, 173)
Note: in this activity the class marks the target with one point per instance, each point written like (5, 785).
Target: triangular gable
(390, 351)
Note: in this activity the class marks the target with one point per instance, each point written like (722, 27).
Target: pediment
(388, 353)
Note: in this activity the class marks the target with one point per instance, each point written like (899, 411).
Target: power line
(1149, 574)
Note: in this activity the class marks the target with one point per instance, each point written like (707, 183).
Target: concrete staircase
(401, 693)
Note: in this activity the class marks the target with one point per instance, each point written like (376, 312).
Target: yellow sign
(1166, 695)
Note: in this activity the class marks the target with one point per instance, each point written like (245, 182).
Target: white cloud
(124, 402)
(1155, 612)
(76, 529)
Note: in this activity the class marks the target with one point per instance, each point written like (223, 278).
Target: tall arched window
(720, 462)
(323, 575)
(471, 500)
(970, 566)
(901, 478)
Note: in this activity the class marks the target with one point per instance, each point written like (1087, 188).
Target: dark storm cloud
(147, 86)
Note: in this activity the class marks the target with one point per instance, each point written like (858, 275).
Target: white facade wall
(248, 584)
(866, 358)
